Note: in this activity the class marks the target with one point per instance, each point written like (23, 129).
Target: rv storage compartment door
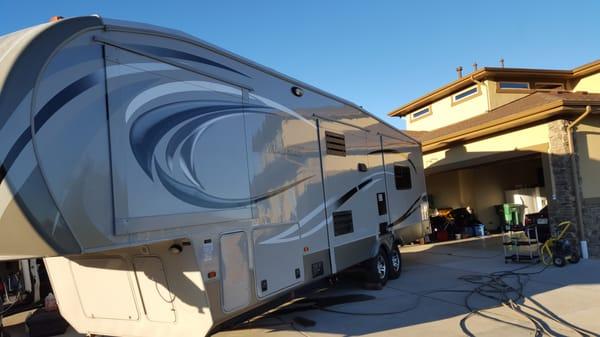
(177, 144)
(157, 297)
(105, 287)
(277, 263)
(235, 271)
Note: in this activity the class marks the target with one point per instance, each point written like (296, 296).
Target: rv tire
(378, 270)
(395, 262)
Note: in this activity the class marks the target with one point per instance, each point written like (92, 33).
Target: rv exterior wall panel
(409, 221)
(276, 274)
(351, 193)
(70, 123)
(347, 254)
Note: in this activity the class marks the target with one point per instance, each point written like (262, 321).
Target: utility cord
(496, 286)
(504, 288)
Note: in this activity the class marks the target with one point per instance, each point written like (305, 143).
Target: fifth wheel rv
(171, 186)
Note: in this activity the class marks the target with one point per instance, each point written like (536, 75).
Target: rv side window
(336, 143)
(402, 177)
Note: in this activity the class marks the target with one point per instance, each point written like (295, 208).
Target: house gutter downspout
(578, 202)
(487, 91)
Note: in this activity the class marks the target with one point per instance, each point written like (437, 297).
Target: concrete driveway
(429, 299)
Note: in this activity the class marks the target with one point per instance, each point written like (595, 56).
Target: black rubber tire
(395, 262)
(574, 258)
(376, 279)
(559, 261)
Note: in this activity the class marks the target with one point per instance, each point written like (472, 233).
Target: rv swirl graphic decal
(164, 142)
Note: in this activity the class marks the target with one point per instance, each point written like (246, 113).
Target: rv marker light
(297, 91)
(175, 249)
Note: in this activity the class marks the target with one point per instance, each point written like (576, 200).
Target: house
(511, 135)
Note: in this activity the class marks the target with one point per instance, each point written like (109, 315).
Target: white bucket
(585, 254)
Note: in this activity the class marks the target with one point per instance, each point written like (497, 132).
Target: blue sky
(378, 54)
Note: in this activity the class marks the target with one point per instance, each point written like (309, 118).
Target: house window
(514, 85)
(402, 177)
(465, 94)
(421, 113)
(549, 86)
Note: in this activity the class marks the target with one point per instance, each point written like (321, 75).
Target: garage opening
(482, 189)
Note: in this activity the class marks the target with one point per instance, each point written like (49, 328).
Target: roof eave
(491, 72)
(438, 93)
(526, 117)
(587, 69)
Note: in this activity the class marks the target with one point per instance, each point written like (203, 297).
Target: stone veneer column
(563, 206)
(591, 225)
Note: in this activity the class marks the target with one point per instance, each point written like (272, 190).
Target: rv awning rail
(173, 63)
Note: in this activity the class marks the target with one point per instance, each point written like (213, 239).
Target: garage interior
(484, 186)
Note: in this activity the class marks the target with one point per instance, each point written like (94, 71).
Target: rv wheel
(378, 270)
(395, 262)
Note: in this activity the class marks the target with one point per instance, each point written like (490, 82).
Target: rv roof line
(194, 40)
(414, 141)
(411, 139)
(182, 36)
(173, 63)
(340, 122)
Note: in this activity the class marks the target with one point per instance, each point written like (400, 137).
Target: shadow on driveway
(456, 288)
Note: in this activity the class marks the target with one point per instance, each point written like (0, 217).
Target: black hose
(505, 288)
